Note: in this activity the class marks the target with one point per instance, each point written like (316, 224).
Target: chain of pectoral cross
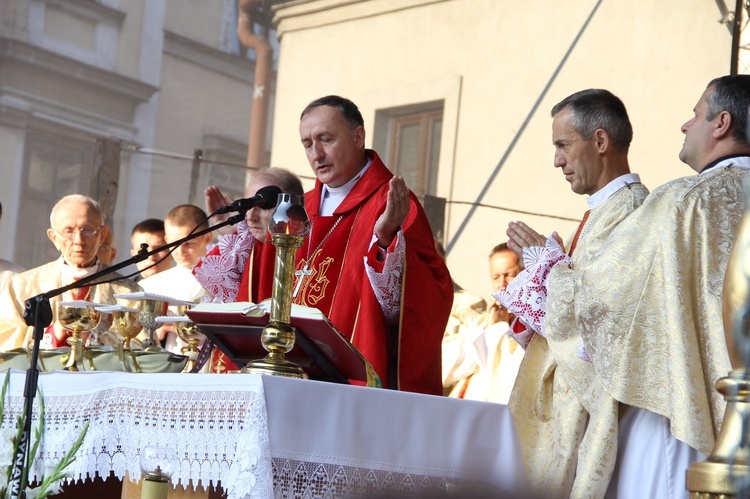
(305, 271)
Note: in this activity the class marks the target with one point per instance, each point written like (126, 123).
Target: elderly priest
(77, 230)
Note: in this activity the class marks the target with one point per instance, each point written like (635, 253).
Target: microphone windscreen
(270, 195)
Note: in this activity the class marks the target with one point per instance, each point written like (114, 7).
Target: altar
(266, 436)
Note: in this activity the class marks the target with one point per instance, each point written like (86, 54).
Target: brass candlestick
(289, 225)
(725, 472)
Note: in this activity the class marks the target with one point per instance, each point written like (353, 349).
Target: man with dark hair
(637, 333)
(7, 268)
(369, 262)
(151, 233)
(179, 282)
(480, 361)
(591, 133)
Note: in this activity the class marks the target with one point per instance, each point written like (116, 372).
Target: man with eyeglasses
(77, 230)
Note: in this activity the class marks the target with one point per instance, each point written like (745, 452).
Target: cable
(481, 205)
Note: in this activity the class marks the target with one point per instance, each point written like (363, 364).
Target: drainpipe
(256, 147)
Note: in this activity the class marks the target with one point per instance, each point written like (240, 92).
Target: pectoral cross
(301, 274)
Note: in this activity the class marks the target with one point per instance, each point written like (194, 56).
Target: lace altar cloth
(217, 426)
(304, 479)
(363, 442)
(268, 436)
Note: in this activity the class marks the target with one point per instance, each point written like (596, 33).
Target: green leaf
(2, 396)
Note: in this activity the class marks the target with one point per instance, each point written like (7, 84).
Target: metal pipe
(256, 146)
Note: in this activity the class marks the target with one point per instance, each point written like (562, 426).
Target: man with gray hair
(637, 334)
(591, 133)
(77, 230)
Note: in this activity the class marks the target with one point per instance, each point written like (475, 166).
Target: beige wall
(491, 61)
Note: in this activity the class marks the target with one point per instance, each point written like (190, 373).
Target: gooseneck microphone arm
(266, 197)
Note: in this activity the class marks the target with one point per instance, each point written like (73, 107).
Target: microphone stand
(38, 313)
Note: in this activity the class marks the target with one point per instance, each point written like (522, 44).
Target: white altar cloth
(217, 426)
(351, 439)
(264, 436)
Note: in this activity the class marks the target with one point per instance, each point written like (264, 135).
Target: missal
(320, 349)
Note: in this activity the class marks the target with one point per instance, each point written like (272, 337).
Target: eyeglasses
(87, 232)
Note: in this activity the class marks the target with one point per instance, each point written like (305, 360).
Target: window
(409, 139)
(414, 147)
(54, 166)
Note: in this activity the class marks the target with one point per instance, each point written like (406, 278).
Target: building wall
(499, 67)
(156, 76)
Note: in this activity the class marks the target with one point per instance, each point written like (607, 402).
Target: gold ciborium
(288, 228)
(726, 471)
(78, 317)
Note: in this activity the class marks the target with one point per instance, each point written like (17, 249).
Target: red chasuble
(407, 355)
(258, 273)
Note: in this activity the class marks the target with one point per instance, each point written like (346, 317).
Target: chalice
(78, 317)
(150, 310)
(152, 306)
(188, 332)
(126, 323)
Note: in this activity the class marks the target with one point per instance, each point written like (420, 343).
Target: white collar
(599, 197)
(70, 273)
(738, 161)
(331, 197)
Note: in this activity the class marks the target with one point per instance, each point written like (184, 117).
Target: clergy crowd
(605, 345)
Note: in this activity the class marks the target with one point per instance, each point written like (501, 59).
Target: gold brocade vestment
(14, 332)
(549, 417)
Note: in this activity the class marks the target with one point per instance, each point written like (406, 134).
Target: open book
(320, 349)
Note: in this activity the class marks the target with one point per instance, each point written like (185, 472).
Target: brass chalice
(127, 325)
(78, 317)
(188, 332)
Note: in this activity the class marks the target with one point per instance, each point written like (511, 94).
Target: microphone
(265, 198)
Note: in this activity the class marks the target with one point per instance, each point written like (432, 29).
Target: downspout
(256, 146)
(736, 34)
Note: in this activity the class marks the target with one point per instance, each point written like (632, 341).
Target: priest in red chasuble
(369, 262)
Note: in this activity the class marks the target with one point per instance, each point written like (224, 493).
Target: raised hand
(396, 209)
(522, 236)
(215, 200)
